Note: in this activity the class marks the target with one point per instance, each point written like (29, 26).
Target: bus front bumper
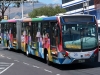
(68, 60)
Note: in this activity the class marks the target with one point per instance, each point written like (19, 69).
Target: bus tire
(47, 59)
(8, 47)
(27, 51)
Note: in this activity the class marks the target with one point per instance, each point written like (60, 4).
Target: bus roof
(3, 21)
(45, 18)
(12, 20)
(27, 19)
(65, 14)
(98, 21)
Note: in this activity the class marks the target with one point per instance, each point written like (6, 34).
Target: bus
(61, 39)
(99, 32)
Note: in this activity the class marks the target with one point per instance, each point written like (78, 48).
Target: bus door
(34, 40)
(12, 35)
(54, 39)
(25, 33)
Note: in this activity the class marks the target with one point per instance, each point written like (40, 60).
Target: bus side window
(34, 31)
(52, 37)
(57, 33)
(14, 30)
(5, 28)
(2, 28)
(11, 28)
(45, 29)
(38, 33)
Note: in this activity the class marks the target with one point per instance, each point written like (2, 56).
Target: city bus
(99, 32)
(61, 39)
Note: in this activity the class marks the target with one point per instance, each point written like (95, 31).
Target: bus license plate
(81, 61)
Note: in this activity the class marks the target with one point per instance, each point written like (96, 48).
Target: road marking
(2, 67)
(57, 74)
(7, 68)
(2, 56)
(16, 60)
(8, 58)
(4, 63)
(4, 47)
(48, 71)
(36, 66)
(25, 63)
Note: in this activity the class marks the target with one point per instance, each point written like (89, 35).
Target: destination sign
(78, 18)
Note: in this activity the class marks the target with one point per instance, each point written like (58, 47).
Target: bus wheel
(8, 48)
(47, 59)
(27, 52)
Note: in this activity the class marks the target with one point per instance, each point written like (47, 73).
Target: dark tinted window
(91, 2)
(78, 6)
(65, 1)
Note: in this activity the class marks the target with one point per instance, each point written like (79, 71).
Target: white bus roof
(98, 21)
(65, 14)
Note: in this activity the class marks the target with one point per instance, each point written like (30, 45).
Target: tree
(4, 4)
(46, 10)
(0, 18)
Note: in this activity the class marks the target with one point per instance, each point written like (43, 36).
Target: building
(82, 6)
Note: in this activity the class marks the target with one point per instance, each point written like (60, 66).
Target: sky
(51, 1)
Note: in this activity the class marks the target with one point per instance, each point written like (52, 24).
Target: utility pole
(86, 6)
(9, 12)
(34, 1)
(22, 8)
(33, 4)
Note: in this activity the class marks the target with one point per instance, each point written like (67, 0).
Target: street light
(9, 12)
(36, 1)
(22, 8)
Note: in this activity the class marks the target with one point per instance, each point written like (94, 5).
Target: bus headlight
(65, 54)
(96, 51)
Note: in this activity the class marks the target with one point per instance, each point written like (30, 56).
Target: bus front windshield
(99, 30)
(79, 37)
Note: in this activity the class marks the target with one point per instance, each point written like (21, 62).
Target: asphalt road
(14, 63)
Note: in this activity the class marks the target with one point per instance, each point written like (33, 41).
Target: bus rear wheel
(8, 45)
(47, 59)
(27, 51)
